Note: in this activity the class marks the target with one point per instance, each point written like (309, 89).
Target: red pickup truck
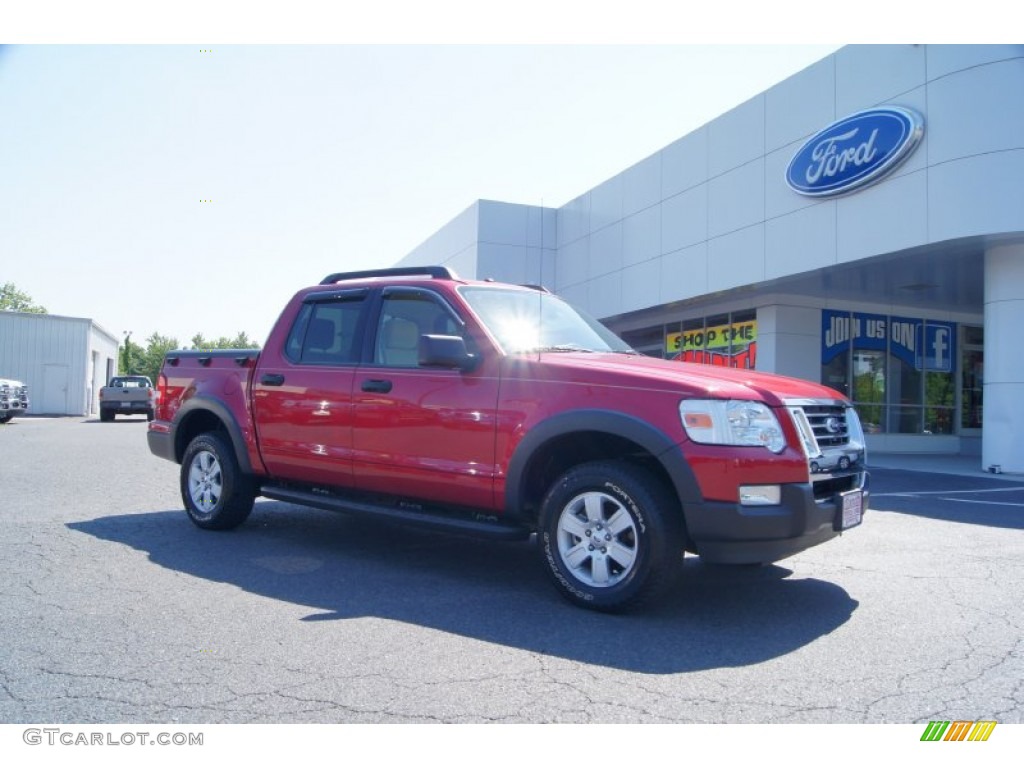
(500, 410)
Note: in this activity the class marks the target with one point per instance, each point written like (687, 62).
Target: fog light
(760, 495)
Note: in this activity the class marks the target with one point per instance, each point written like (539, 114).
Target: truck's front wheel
(215, 492)
(611, 535)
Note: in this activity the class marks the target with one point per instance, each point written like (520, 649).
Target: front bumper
(809, 514)
(13, 406)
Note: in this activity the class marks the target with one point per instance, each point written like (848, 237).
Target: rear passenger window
(325, 333)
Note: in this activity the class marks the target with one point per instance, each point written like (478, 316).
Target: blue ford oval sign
(855, 151)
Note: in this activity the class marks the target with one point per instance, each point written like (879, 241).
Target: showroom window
(648, 341)
(728, 340)
(972, 378)
(899, 371)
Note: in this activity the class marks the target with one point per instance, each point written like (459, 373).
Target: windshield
(532, 321)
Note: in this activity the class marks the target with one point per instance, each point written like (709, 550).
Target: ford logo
(855, 151)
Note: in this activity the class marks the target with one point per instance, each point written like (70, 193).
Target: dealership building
(860, 224)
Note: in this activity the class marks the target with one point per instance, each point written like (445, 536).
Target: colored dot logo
(206, 50)
(206, 200)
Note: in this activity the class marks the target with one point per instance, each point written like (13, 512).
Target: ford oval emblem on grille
(833, 425)
(855, 151)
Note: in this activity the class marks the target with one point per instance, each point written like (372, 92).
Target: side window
(404, 317)
(293, 347)
(325, 333)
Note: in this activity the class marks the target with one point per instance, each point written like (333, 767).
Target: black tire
(5, 418)
(217, 496)
(150, 415)
(611, 535)
(106, 415)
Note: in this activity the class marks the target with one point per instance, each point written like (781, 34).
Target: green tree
(14, 300)
(131, 356)
(147, 361)
(152, 358)
(240, 341)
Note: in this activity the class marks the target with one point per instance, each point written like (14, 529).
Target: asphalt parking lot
(116, 609)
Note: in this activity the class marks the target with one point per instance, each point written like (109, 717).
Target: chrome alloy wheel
(205, 481)
(597, 539)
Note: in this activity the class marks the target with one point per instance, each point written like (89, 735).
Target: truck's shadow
(343, 567)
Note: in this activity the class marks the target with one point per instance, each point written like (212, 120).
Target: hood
(691, 379)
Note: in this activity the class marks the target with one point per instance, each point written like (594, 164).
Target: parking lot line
(947, 493)
(976, 501)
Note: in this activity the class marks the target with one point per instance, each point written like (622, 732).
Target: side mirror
(437, 351)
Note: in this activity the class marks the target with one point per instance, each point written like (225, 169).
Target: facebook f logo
(939, 347)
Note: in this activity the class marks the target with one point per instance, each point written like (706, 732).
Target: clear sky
(195, 188)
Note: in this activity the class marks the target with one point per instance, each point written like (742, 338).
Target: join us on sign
(844, 328)
(924, 344)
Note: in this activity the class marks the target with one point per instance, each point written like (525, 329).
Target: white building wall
(102, 364)
(1004, 368)
(711, 212)
(789, 339)
(517, 243)
(453, 246)
(504, 241)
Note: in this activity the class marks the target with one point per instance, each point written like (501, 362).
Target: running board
(436, 521)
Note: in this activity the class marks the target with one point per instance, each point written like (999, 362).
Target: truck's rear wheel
(216, 494)
(610, 535)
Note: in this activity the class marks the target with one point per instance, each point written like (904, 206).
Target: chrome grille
(828, 423)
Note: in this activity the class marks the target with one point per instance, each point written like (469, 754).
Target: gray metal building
(63, 360)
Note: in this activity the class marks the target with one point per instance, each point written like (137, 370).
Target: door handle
(272, 379)
(376, 385)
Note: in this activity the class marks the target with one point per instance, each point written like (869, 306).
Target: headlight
(732, 422)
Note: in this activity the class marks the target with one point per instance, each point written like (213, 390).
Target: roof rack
(437, 273)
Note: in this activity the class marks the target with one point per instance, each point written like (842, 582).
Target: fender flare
(664, 450)
(224, 414)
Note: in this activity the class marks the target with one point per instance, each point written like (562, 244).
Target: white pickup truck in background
(13, 399)
(127, 395)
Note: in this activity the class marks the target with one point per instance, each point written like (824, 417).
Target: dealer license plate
(127, 404)
(852, 511)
